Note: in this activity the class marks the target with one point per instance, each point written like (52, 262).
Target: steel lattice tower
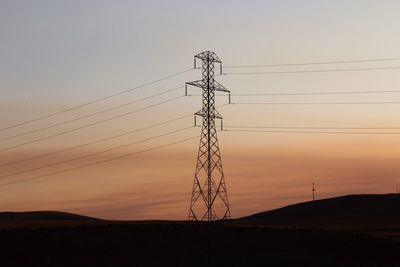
(209, 200)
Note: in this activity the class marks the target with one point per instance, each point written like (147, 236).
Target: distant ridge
(369, 211)
(39, 219)
(351, 211)
(42, 215)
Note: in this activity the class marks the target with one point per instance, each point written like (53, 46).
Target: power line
(95, 142)
(313, 132)
(312, 127)
(312, 93)
(89, 115)
(94, 153)
(95, 100)
(319, 93)
(100, 140)
(97, 162)
(89, 125)
(312, 63)
(311, 71)
(317, 103)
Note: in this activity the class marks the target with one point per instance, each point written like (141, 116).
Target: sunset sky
(59, 54)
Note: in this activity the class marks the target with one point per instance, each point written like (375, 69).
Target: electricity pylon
(209, 200)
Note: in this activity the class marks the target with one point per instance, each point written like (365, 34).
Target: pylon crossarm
(209, 56)
(202, 114)
(216, 87)
(220, 88)
(199, 83)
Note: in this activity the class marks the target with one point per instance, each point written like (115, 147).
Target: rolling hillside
(42, 219)
(352, 211)
(282, 237)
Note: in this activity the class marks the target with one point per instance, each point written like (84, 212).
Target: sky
(59, 54)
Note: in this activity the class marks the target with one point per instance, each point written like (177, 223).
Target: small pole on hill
(313, 191)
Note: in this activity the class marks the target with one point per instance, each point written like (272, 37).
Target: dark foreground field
(180, 244)
(358, 230)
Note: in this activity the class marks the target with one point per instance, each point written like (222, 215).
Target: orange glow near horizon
(156, 185)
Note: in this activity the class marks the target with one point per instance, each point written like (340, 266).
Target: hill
(40, 219)
(329, 232)
(42, 215)
(352, 211)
